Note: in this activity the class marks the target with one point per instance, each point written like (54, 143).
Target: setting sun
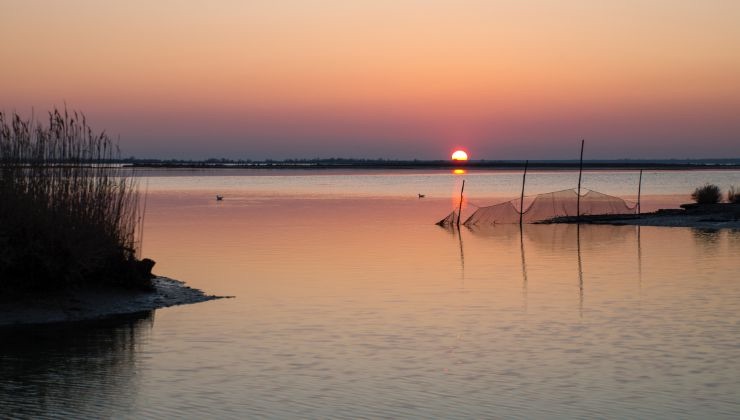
(459, 155)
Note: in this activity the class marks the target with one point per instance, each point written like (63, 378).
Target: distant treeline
(347, 163)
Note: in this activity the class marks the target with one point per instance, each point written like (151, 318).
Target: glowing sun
(459, 155)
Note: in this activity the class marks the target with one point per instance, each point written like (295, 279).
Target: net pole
(580, 174)
(639, 191)
(459, 207)
(521, 199)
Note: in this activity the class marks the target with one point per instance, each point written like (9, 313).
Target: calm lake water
(351, 303)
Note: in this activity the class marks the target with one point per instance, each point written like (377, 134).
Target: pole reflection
(524, 266)
(552, 246)
(580, 270)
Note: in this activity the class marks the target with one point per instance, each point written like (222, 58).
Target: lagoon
(351, 303)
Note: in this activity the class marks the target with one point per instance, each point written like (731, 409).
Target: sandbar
(94, 304)
(700, 216)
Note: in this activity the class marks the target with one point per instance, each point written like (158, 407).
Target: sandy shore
(84, 305)
(710, 216)
(677, 221)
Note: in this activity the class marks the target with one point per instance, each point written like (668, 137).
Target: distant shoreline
(716, 164)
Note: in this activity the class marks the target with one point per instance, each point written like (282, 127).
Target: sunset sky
(384, 78)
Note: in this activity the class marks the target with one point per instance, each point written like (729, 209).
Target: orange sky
(396, 79)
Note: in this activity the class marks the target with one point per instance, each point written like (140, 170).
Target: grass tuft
(708, 194)
(733, 195)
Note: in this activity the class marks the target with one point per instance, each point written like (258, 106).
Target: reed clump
(733, 195)
(708, 194)
(68, 215)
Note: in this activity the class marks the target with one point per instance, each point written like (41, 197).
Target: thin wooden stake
(580, 173)
(521, 200)
(459, 208)
(639, 191)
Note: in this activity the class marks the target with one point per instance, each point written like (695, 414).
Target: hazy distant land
(341, 163)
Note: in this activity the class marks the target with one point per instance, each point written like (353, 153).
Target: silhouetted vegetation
(708, 194)
(733, 195)
(68, 217)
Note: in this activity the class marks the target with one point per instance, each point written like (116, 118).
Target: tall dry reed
(733, 195)
(68, 214)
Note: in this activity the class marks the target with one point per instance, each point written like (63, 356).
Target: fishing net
(450, 220)
(546, 206)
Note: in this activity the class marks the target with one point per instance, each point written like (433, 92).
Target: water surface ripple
(358, 306)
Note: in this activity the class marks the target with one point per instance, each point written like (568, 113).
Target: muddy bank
(702, 216)
(92, 304)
